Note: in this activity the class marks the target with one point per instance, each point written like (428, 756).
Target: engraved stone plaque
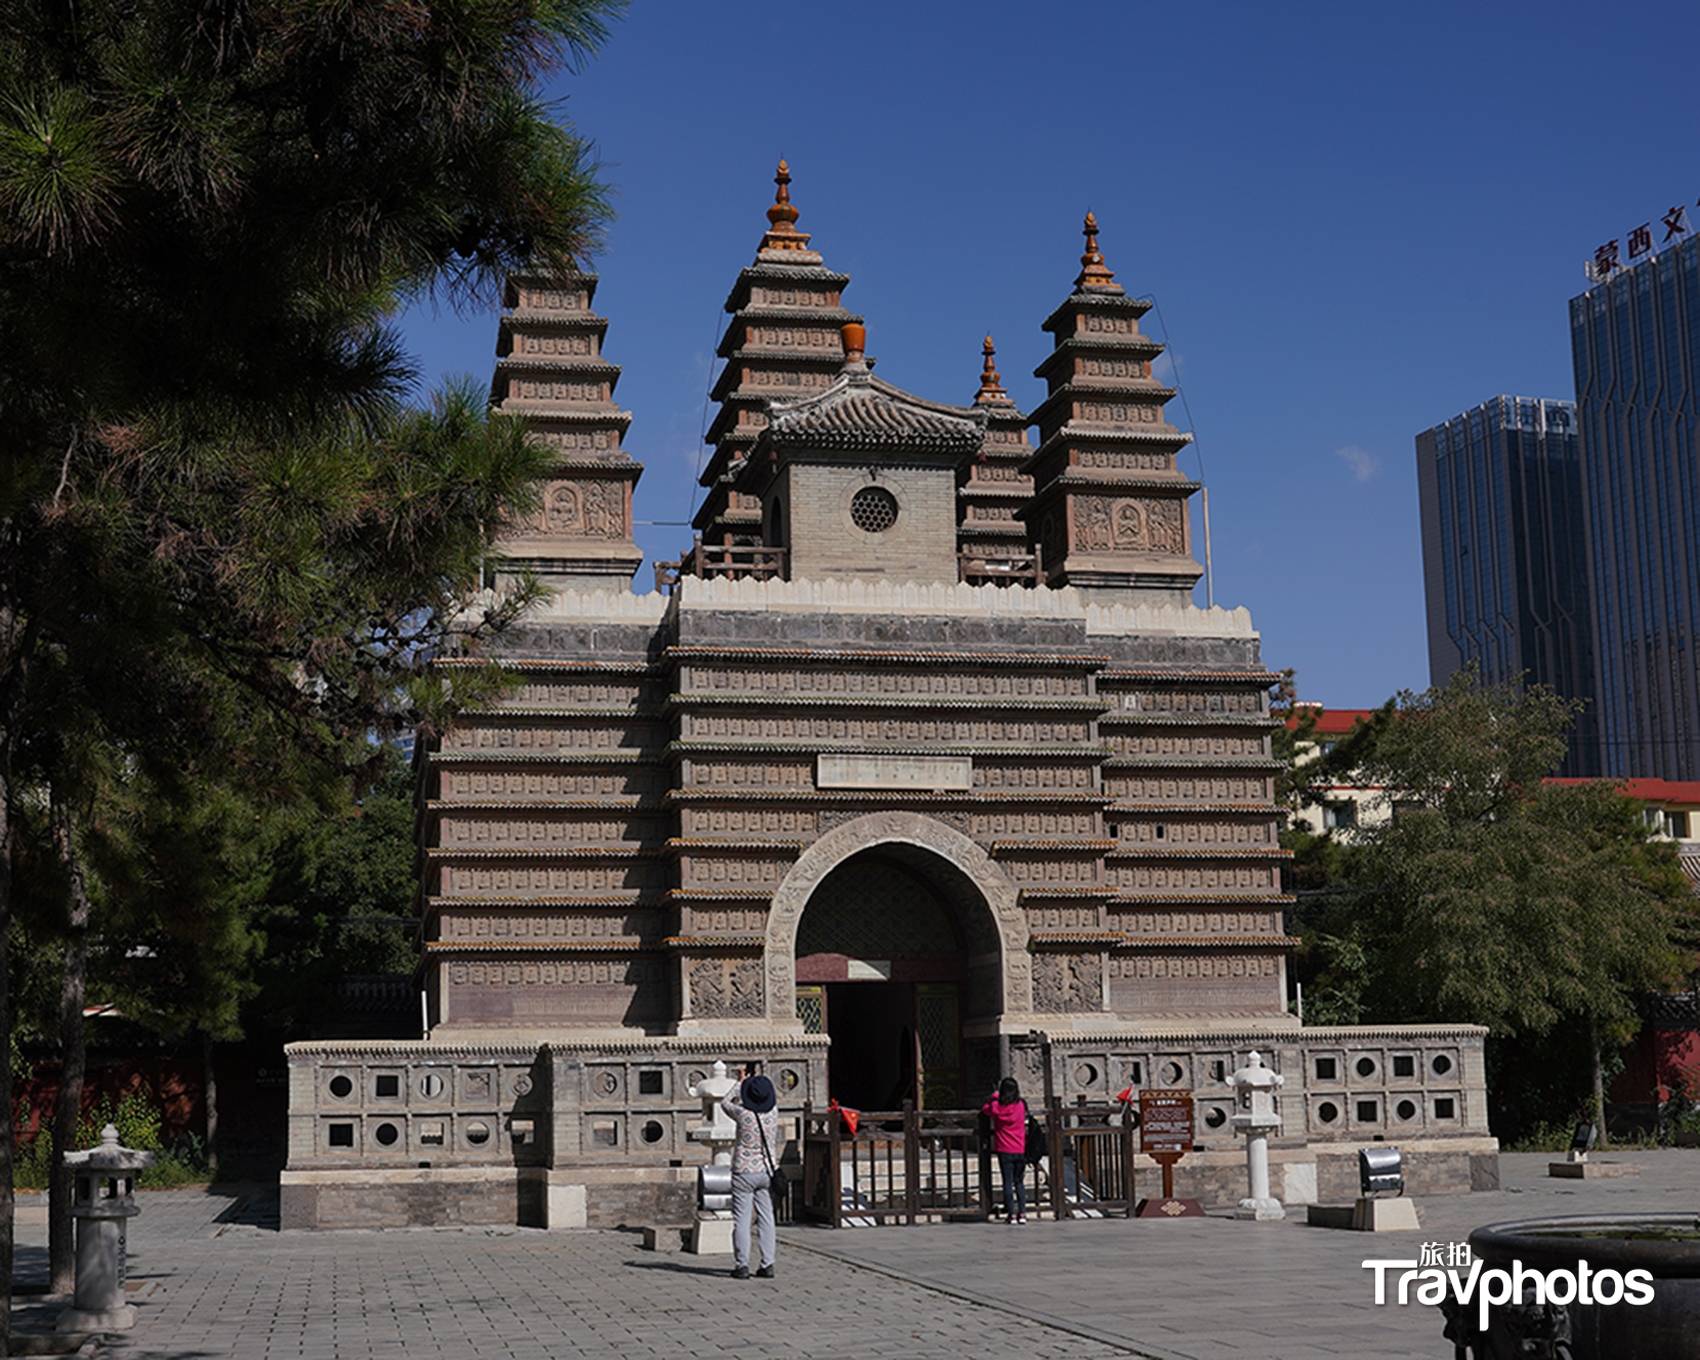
(836, 770)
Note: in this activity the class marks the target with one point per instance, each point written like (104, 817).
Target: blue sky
(1357, 220)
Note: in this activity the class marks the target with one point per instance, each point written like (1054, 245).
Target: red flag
(1125, 1095)
(851, 1117)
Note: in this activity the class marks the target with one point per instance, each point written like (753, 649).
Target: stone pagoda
(781, 344)
(844, 799)
(994, 486)
(550, 370)
(1109, 509)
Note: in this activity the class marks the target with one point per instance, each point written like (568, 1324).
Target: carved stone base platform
(1159, 1207)
(1385, 1215)
(1591, 1171)
(710, 1237)
(1262, 1210)
(84, 1320)
(1366, 1215)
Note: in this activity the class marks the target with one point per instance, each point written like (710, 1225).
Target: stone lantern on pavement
(711, 1235)
(103, 1201)
(1255, 1085)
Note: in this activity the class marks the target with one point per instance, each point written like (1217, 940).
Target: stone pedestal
(710, 1236)
(1591, 1171)
(1385, 1215)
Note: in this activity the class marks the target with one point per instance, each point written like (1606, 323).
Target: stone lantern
(103, 1201)
(711, 1235)
(1255, 1085)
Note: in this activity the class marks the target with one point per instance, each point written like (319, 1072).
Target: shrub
(139, 1125)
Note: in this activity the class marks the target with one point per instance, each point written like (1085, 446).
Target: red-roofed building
(1344, 806)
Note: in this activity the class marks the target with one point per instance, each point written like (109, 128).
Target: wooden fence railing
(911, 1166)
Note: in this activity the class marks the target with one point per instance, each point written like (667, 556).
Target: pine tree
(215, 509)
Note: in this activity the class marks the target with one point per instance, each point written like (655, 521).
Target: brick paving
(220, 1283)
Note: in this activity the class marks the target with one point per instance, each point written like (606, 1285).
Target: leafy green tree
(214, 510)
(1491, 897)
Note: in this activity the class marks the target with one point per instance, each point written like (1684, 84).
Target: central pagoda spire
(782, 233)
(1094, 273)
(784, 342)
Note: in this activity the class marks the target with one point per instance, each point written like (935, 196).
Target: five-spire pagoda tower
(782, 343)
(550, 369)
(1109, 510)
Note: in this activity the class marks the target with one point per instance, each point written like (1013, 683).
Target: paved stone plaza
(220, 1281)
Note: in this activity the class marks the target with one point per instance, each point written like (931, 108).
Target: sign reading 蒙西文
(1608, 259)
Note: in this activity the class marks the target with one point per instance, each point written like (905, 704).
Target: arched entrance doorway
(897, 952)
(902, 901)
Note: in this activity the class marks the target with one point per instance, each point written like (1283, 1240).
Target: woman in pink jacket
(1008, 1114)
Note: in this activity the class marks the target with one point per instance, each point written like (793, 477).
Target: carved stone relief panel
(1065, 982)
(1194, 878)
(581, 509)
(723, 988)
(1126, 524)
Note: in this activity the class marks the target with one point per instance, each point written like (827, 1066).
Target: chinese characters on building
(1608, 259)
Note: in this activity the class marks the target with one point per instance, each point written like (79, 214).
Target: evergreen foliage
(228, 548)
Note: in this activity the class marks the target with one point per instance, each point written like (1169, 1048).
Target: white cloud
(1359, 461)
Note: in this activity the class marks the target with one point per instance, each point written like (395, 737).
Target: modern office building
(1636, 340)
(1504, 570)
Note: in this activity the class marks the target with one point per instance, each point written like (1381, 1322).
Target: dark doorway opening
(896, 952)
(871, 1064)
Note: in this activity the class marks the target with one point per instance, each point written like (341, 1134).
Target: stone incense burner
(1667, 1328)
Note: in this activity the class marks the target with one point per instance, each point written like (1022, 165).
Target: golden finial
(991, 386)
(1094, 273)
(782, 233)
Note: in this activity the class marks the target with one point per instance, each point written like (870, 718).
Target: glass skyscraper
(1500, 490)
(1636, 340)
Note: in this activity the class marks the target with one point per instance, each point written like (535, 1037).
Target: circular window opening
(873, 509)
(341, 1087)
(386, 1134)
(1405, 1110)
(1172, 1074)
(478, 1133)
(1366, 1067)
(1442, 1064)
(652, 1132)
(1215, 1117)
(1328, 1112)
(431, 1085)
(1085, 1074)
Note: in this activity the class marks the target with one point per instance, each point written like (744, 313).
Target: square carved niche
(431, 1133)
(386, 1085)
(604, 1133)
(478, 1085)
(652, 1081)
(341, 1135)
